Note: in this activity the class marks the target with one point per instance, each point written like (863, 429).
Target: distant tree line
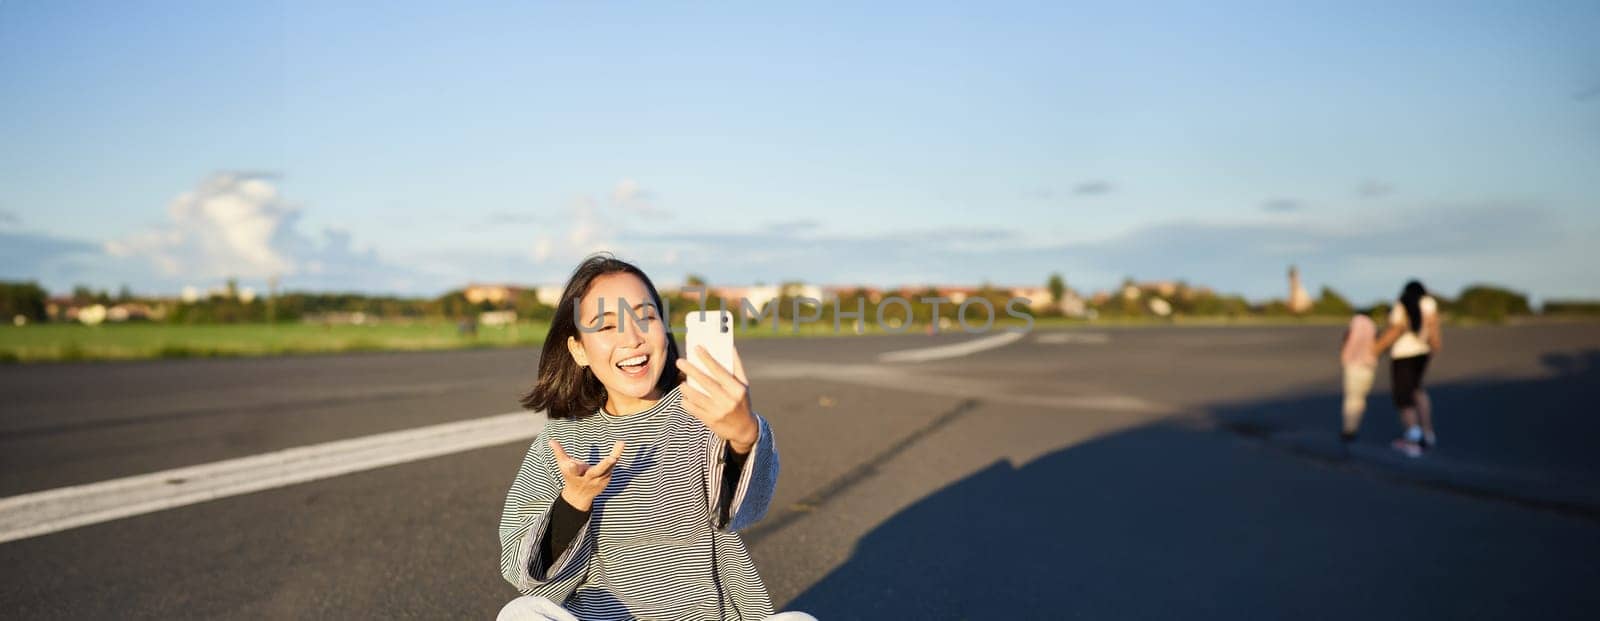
(1479, 302)
(24, 299)
(32, 302)
(1574, 308)
(297, 306)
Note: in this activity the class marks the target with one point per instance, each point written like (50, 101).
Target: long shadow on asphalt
(1180, 520)
(1545, 425)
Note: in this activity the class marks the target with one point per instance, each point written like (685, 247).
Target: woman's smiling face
(627, 353)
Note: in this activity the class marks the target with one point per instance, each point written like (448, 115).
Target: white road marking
(39, 513)
(1063, 338)
(899, 378)
(954, 350)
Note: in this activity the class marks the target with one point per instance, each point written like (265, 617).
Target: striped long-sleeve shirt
(655, 545)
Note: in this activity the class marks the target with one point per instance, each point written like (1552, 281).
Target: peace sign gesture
(583, 481)
(722, 400)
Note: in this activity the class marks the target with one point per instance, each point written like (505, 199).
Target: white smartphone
(713, 331)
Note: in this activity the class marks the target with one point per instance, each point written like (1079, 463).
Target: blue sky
(415, 147)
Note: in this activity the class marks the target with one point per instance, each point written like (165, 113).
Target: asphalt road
(1144, 473)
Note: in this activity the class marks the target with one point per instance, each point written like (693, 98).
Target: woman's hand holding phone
(721, 400)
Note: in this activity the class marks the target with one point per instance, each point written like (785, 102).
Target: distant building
(1299, 300)
(497, 318)
(756, 296)
(91, 315)
(1072, 305)
(802, 291)
(493, 294)
(955, 294)
(129, 311)
(338, 318)
(1163, 288)
(549, 295)
(873, 294)
(1039, 298)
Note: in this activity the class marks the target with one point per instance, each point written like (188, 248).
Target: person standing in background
(1412, 337)
(1359, 356)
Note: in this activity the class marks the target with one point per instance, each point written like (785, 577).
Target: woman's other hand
(722, 400)
(583, 481)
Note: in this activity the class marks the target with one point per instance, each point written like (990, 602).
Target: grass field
(47, 342)
(133, 341)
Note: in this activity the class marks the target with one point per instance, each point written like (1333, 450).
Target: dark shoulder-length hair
(564, 389)
(1411, 299)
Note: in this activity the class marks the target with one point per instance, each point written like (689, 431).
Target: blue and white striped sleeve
(757, 481)
(525, 522)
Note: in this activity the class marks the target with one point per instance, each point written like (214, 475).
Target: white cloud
(629, 196)
(596, 225)
(542, 249)
(236, 225)
(626, 190)
(588, 230)
(229, 226)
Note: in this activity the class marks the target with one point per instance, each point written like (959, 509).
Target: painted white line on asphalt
(39, 513)
(898, 378)
(1063, 338)
(954, 350)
